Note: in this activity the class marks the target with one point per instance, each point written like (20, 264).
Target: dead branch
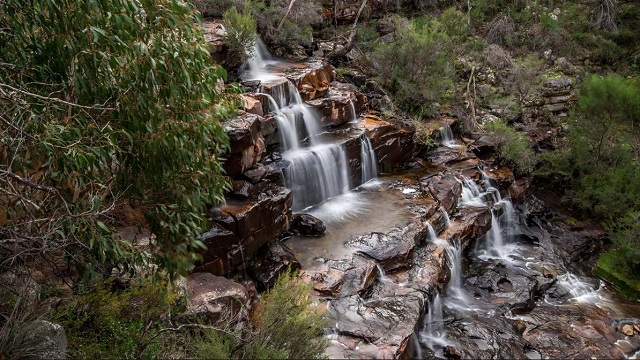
(352, 36)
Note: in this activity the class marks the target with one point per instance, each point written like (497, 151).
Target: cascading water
(433, 334)
(368, 159)
(317, 171)
(445, 216)
(446, 136)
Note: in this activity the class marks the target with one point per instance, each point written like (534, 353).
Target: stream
(434, 260)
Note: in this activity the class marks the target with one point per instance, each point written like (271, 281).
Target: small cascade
(433, 334)
(316, 174)
(352, 110)
(433, 237)
(259, 61)
(367, 159)
(446, 136)
(382, 275)
(576, 287)
(445, 216)
(317, 171)
(471, 193)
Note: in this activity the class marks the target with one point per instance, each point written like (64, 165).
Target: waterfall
(445, 216)
(433, 334)
(258, 62)
(317, 171)
(352, 110)
(367, 159)
(577, 288)
(382, 274)
(433, 237)
(446, 136)
(316, 174)
(471, 193)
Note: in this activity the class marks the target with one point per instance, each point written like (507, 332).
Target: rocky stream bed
(419, 252)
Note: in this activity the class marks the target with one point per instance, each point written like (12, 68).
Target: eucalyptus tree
(107, 108)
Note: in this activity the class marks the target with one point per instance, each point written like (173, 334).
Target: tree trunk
(351, 42)
(286, 14)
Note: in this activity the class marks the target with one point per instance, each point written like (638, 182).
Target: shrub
(240, 33)
(514, 148)
(285, 327)
(417, 65)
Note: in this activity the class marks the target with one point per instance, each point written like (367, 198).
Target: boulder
(243, 226)
(386, 321)
(467, 224)
(307, 225)
(213, 298)
(501, 177)
(246, 145)
(270, 262)
(484, 145)
(242, 189)
(446, 189)
(392, 141)
(392, 249)
(312, 78)
(342, 104)
(258, 171)
(50, 338)
(339, 278)
(279, 89)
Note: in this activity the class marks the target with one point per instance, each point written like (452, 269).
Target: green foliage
(514, 148)
(287, 324)
(285, 32)
(103, 323)
(417, 65)
(106, 103)
(285, 327)
(240, 32)
(213, 8)
(601, 163)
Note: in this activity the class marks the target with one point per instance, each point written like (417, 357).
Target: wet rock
(244, 143)
(429, 270)
(270, 130)
(467, 224)
(242, 189)
(339, 278)
(446, 189)
(50, 339)
(446, 156)
(484, 145)
(574, 332)
(218, 258)
(252, 104)
(392, 141)
(256, 173)
(392, 249)
(517, 189)
(213, 298)
(312, 78)
(486, 338)
(387, 321)
(341, 104)
(254, 222)
(278, 88)
(307, 225)
(271, 261)
(501, 177)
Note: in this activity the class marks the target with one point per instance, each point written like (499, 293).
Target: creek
(433, 260)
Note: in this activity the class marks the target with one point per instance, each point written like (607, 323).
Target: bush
(417, 65)
(285, 327)
(514, 148)
(240, 33)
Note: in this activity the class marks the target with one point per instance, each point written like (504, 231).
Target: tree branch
(93, 107)
(352, 36)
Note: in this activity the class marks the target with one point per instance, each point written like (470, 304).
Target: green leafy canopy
(105, 103)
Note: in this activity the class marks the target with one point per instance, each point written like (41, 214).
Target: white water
(446, 136)
(367, 159)
(318, 171)
(433, 334)
(352, 110)
(259, 61)
(445, 216)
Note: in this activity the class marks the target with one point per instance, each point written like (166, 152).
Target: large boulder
(445, 188)
(246, 145)
(342, 104)
(213, 298)
(379, 327)
(312, 78)
(241, 227)
(392, 141)
(307, 225)
(340, 278)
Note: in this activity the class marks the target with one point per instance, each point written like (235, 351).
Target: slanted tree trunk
(286, 14)
(351, 42)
